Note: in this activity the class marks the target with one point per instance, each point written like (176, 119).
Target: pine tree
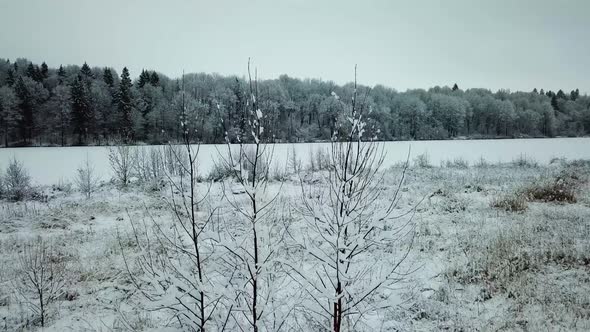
(26, 109)
(561, 95)
(107, 77)
(10, 77)
(61, 74)
(574, 94)
(44, 70)
(86, 71)
(154, 79)
(144, 78)
(455, 87)
(535, 91)
(542, 92)
(125, 106)
(31, 70)
(554, 102)
(9, 115)
(80, 108)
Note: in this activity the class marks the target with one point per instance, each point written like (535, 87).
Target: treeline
(80, 105)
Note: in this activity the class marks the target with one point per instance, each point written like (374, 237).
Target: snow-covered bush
(17, 181)
(524, 161)
(422, 160)
(86, 180)
(175, 159)
(514, 202)
(219, 172)
(457, 163)
(149, 166)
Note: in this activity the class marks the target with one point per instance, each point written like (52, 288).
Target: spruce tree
(107, 77)
(61, 74)
(154, 79)
(31, 70)
(86, 71)
(125, 106)
(561, 95)
(144, 78)
(455, 87)
(535, 91)
(80, 108)
(26, 109)
(554, 102)
(44, 70)
(10, 77)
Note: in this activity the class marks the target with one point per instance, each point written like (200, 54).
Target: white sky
(510, 44)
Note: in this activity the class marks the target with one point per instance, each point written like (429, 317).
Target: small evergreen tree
(455, 87)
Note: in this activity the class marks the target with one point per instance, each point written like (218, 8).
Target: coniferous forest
(83, 105)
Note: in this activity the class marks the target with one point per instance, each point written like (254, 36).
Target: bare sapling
(354, 242)
(253, 238)
(176, 265)
(122, 160)
(86, 179)
(41, 277)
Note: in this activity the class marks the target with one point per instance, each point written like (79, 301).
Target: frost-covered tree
(355, 246)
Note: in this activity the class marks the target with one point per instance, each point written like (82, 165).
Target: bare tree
(86, 179)
(355, 244)
(172, 260)
(41, 276)
(253, 244)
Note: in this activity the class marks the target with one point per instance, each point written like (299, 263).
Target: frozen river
(52, 164)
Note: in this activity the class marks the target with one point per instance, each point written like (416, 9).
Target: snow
(50, 165)
(454, 227)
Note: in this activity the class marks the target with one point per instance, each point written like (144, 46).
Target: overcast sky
(495, 44)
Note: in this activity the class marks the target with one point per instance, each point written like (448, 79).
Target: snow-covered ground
(49, 165)
(472, 267)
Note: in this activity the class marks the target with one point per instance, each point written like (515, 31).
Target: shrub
(511, 203)
(524, 161)
(457, 163)
(558, 190)
(17, 181)
(422, 160)
(481, 163)
(220, 172)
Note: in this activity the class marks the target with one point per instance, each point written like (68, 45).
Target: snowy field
(50, 165)
(487, 246)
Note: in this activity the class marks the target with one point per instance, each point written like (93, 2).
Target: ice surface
(49, 165)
